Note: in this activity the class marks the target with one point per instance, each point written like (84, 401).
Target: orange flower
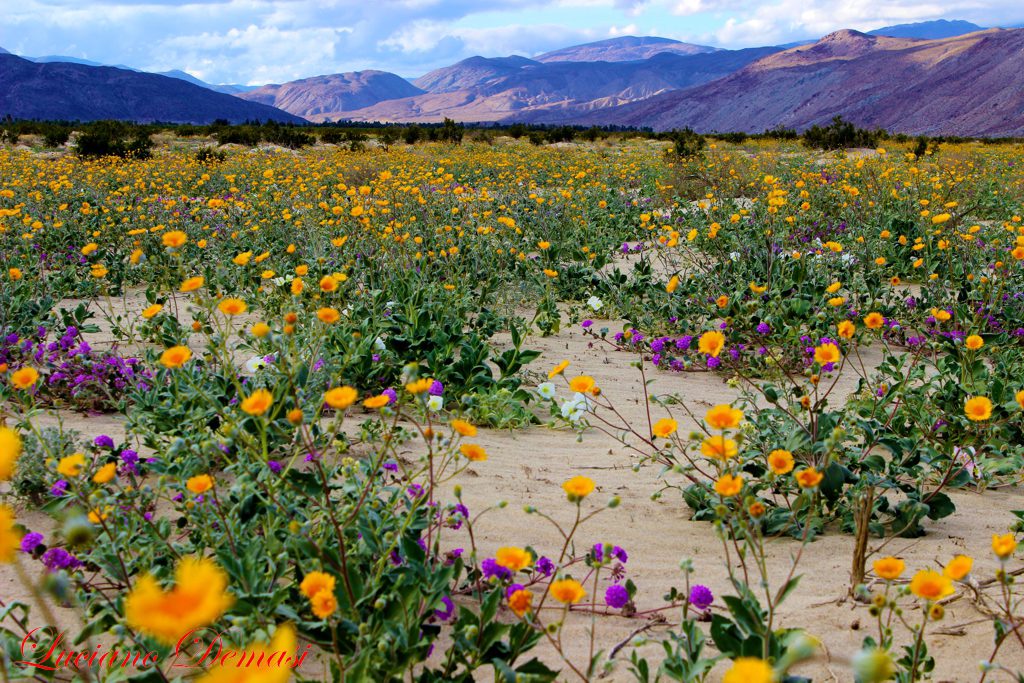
(378, 401)
(314, 582)
(781, 461)
(328, 283)
(889, 568)
(324, 604)
(10, 451)
(464, 428)
(873, 321)
(198, 599)
(419, 386)
(152, 311)
(1003, 545)
(258, 402)
(711, 343)
(846, 329)
(340, 398)
(723, 417)
(105, 473)
(978, 408)
(328, 315)
(931, 585)
(749, 670)
(175, 357)
(192, 284)
(567, 591)
(582, 384)
(728, 485)
(24, 378)
(260, 329)
(974, 342)
(718, 447)
(232, 306)
(826, 353)
(520, 601)
(473, 451)
(558, 369)
(665, 427)
(578, 487)
(809, 477)
(199, 484)
(513, 558)
(958, 567)
(673, 283)
(1020, 398)
(174, 239)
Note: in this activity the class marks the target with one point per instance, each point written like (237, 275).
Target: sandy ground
(528, 467)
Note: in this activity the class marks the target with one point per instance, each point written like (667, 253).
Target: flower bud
(873, 666)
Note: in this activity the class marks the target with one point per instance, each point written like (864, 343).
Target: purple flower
(544, 566)
(713, 362)
(391, 466)
(587, 323)
(616, 596)
(59, 489)
(104, 441)
(763, 328)
(58, 558)
(447, 612)
(701, 597)
(512, 588)
(436, 389)
(492, 569)
(275, 466)
(30, 542)
(391, 394)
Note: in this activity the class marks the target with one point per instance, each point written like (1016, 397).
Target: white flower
(280, 282)
(378, 344)
(255, 364)
(547, 390)
(576, 407)
(435, 403)
(735, 255)
(595, 303)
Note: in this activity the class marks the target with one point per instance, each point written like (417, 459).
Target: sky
(271, 41)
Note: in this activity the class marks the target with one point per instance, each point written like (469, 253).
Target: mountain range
(939, 77)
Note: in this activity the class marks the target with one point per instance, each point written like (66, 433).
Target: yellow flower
(728, 485)
(328, 283)
(15, 274)
(846, 329)
(931, 585)
(175, 357)
(9, 536)
(232, 306)
(464, 428)
(198, 599)
(836, 301)
(513, 558)
(834, 287)
(419, 386)
(809, 477)
(873, 321)
(105, 473)
(324, 604)
(723, 417)
(889, 568)
(567, 591)
(71, 465)
(722, 301)
(718, 447)
(328, 315)
(582, 384)
(826, 353)
(340, 398)
(978, 409)
(152, 311)
(314, 582)
(958, 567)
(192, 284)
(260, 329)
(10, 451)
(974, 342)
(711, 343)
(265, 663)
(780, 461)
(665, 427)
(174, 238)
(520, 601)
(199, 484)
(558, 369)
(940, 314)
(672, 284)
(24, 378)
(578, 487)
(749, 670)
(940, 218)
(242, 259)
(758, 289)
(378, 401)
(1020, 398)
(1004, 545)
(258, 402)
(473, 452)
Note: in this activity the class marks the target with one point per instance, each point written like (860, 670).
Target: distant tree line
(124, 139)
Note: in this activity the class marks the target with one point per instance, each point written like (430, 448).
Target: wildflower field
(514, 413)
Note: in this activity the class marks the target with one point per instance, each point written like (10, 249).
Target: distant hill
(63, 90)
(481, 89)
(928, 30)
(965, 85)
(331, 96)
(622, 49)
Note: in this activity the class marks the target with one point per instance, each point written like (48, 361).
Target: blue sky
(265, 41)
